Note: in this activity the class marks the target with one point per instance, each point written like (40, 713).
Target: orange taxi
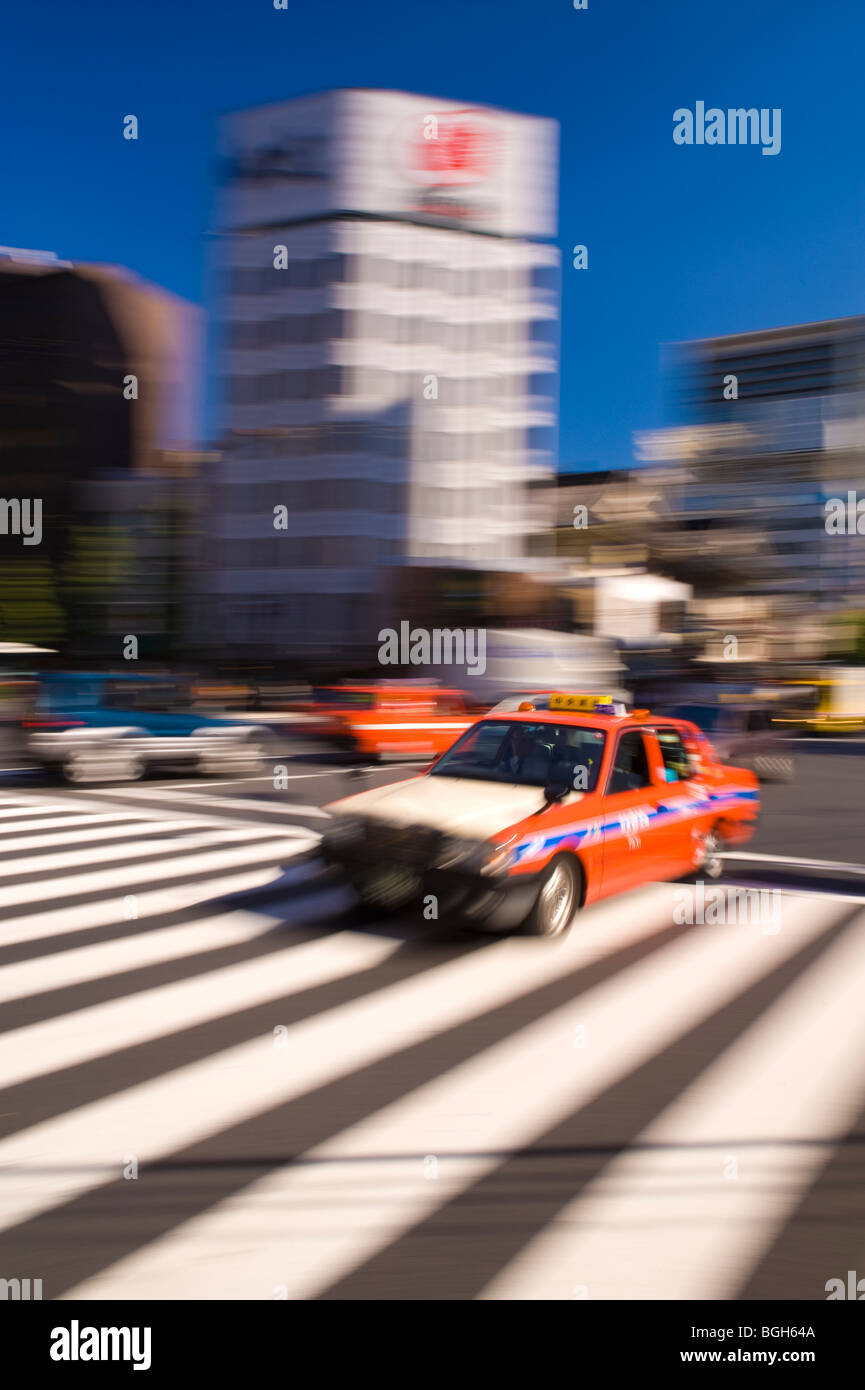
(536, 812)
(383, 719)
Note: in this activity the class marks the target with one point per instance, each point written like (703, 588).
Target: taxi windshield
(525, 754)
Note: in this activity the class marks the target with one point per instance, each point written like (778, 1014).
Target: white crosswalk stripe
(134, 904)
(35, 807)
(727, 1135)
(258, 850)
(469, 1111)
(193, 1100)
(96, 834)
(149, 796)
(147, 849)
(49, 825)
(104, 1028)
(522, 1035)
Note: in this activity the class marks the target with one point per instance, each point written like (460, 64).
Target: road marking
(124, 829)
(82, 964)
(147, 849)
(663, 1221)
(57, 921)
(53, 1161)
(354, 1194)
(203, 786)
(43, 808)
(43, 829)
(101, 1029)
(235, 804)
(138, 806)
(799, 863)
(121, 878)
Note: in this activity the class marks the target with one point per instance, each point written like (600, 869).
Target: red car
(385, 719)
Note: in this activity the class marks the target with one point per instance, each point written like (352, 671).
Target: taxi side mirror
(558, 783)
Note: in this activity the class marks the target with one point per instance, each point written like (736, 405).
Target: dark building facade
(98, 376)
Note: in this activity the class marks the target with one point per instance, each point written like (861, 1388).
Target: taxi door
(413, 723)
(403, 722)
(683, 791)
(634, 836)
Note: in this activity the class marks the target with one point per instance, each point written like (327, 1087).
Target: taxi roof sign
(586, 702)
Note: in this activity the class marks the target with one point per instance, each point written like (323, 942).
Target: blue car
(104, 727)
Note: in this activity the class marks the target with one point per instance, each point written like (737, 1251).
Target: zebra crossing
(219, 1084)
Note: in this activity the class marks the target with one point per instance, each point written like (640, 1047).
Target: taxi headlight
(454, 852)
(499, 857)
(344, 832)
(476, 856)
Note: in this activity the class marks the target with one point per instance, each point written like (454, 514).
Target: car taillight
(52, 723)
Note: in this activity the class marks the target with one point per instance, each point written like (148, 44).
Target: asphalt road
(220, 1083)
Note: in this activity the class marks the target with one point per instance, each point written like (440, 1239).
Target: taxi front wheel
(557, 901)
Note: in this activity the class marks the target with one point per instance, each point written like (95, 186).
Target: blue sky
(683, 241)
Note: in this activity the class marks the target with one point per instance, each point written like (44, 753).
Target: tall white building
(387, 303)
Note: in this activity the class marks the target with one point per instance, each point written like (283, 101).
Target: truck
(525, 659)
(830, 702)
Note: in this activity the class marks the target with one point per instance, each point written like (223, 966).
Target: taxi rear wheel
(558, 899)
(711, 864)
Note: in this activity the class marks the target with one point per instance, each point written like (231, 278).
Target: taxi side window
(631, 767)
(677, 764)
